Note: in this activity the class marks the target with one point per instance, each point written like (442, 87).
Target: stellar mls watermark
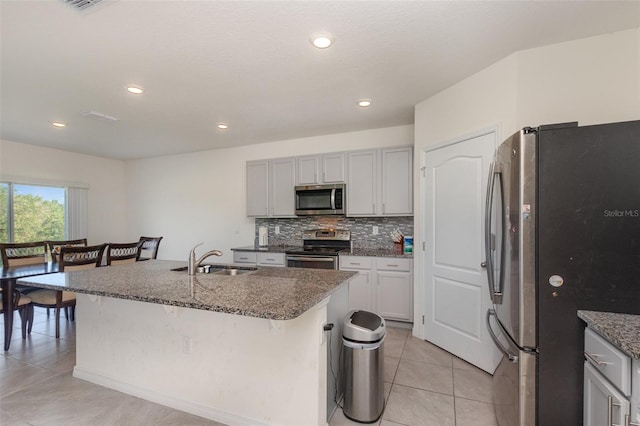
(622, 213)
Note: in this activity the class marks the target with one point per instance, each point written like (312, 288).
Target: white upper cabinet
(317, 169)
(362, 184)
(282, 187)
(333, 168)
(270, 188)
(397, 181)
(380, 182)
(308, 170)
(258, 188)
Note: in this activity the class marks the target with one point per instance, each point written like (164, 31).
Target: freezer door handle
(495, 170)
(511, 357)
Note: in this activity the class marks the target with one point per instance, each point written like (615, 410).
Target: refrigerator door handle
(489, 239)
(511, 357)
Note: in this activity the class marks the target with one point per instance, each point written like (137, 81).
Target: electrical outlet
(277, 229)
(375, 230)
(187, 345)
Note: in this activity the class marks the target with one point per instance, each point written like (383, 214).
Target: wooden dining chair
(123, 252)
(17, 254)
(22, 304)
(149, 248)
(54, 246)
(69, 259)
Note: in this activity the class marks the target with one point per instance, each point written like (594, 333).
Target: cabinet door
(362, 183)
(257, 188)
(394, 293)
(307, 170)
(283, 187)
(360, 291)
(333, 168)
(397, 181)
(597, 391)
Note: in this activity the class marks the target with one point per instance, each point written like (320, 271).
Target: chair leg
(66, 313)
(73, 312)
(47, 312)
(24, 318)
(57, 323)
(30, 315)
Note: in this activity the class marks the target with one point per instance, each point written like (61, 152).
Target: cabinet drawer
(393, 264)
(355, 262)
(608, 360)
(244, 257)
(272, 259)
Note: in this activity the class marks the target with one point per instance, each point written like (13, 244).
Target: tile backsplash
(361, 229)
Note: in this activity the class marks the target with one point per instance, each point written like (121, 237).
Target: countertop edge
(623, 330)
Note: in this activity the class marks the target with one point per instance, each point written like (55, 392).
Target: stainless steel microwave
(321, 199)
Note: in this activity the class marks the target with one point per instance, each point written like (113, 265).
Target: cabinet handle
(628, 422)
(272, 260)
(383, 207)
(610, 405)
(374, 207)
(391, 266)
(594, 358)
(354, 263)
(324, 176)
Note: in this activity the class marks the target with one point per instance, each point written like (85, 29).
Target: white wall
(200, 197)
(105, 178)
(592, 80)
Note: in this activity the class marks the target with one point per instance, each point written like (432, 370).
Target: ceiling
(250, 64)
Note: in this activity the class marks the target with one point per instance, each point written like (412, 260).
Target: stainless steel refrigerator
(562, 234)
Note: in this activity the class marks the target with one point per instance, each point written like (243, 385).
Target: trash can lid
(363, 326)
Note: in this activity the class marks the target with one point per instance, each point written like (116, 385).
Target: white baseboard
(207, 412)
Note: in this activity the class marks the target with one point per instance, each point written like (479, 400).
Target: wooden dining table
(8, 278)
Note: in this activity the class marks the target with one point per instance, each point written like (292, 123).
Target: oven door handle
(310, 259)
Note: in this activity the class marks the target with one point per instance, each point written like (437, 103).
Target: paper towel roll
(263, 236)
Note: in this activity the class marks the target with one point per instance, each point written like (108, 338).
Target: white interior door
(455, 287)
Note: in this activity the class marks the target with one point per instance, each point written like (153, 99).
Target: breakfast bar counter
(244, 349)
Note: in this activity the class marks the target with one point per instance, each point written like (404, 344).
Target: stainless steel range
(320, 248)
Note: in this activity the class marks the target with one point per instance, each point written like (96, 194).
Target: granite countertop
(623, 330)
(375, 252)
(364, 251)
(269, 292)
(269, 249)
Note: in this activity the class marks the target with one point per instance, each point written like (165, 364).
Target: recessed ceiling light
(222, 126)
(136, 90)
(58, 124)
(364, 103)
(321, 41)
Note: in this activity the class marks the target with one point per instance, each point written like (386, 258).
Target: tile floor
(424, 386)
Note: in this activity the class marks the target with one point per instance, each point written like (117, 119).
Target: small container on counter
(408, 244)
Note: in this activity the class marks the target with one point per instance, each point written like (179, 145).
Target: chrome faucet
(193, 263)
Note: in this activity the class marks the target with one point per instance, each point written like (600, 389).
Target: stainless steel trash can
(363, 353)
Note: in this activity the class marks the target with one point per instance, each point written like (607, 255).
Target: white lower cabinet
(384, 285)
(259, 258)
(607, 383)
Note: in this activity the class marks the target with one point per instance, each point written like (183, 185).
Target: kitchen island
(244, 349)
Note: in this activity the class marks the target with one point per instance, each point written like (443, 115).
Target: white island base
(230, 368)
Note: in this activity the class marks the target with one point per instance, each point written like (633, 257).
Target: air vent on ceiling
(82, 4)
(99, 116)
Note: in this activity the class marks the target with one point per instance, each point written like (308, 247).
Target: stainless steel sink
(220, 269)
(232, 272)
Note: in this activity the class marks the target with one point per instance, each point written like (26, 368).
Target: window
(32, 212)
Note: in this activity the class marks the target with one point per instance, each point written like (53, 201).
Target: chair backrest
(54, 246)
(16, 254)
(149, 248)
(79, 258)
(123, 252)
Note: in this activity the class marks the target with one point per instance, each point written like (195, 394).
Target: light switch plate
(375, 230)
